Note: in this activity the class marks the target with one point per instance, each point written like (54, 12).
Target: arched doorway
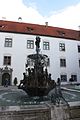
(6, 77)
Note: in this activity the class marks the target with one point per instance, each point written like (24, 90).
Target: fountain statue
(37, 81)
(43, 93)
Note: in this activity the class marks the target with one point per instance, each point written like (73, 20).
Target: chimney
(19, 19)
(79, 32)
(3, 18)
(46, 24)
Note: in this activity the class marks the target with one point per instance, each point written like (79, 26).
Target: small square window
(74, 78)
(30, 44)
(62, 62)
(63, 78)
(61, 46)
(7, 60)
(46, 46)
(8, 42)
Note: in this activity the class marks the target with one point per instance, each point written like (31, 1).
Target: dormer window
(61, 33)
(30, 29)
(1, 26)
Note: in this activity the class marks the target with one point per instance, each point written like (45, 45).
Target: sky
(58, 13)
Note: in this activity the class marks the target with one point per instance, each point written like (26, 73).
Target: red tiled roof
(35, 29)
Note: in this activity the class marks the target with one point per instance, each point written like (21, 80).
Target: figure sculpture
(37, 81)
(37, 42)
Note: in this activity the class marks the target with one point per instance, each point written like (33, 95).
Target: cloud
(66, 18)
(13, 9)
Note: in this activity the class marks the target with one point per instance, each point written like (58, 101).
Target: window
(78, 48)
(61, 33)
(74, 77)
(46, 46)
(7, 60)
(2, 26)
(30, 44)
(61, 46)
(30, 29)
(8, 42)
(63, 78)
(62, 62)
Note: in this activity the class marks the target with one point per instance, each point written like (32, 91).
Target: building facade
(17, 41)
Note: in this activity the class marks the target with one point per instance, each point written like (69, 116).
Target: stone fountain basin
(12, 96)
(15, 104)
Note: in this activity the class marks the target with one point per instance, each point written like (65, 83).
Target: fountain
(37, 84)
(37, 81)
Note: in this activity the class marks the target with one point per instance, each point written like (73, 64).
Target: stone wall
(40, 112)
(64, 112)
(75, 113)
(34, 112)
(59, 113)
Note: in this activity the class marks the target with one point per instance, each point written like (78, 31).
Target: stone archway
(6, 73)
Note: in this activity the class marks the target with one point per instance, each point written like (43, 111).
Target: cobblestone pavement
(9, 87)
(71, 92)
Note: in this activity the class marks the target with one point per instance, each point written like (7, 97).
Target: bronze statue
(38, 81)
(37, 42)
